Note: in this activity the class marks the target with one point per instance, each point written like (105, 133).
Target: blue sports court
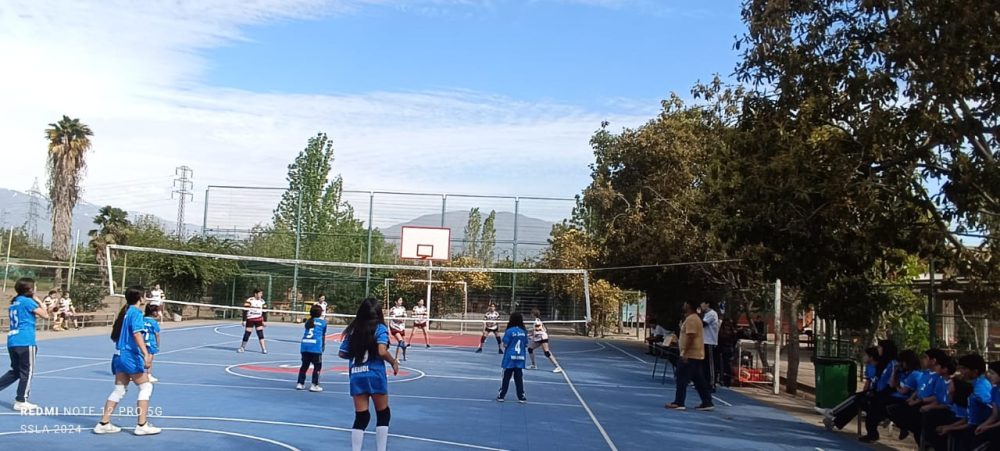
(443, 399)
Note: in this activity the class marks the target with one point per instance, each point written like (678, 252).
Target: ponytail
(132, 296)
(315, 312)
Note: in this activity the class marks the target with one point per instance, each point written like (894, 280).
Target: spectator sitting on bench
(67, 312)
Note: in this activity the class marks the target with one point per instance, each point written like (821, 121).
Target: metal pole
(298, 239)
(444, 205)
(513, 262)
(6, 265)
(124, 270)
(204, 218)
(777, 336)
(73, 260)
(368, 271)
(931, 316)
(111, 271)
(430, 265)
(232, 298)
(269, 288)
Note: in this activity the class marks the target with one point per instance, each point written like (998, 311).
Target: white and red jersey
(156, 297)
(256, 310)
(539, 333)
(398, 316)
(419, 315)
(491, 319)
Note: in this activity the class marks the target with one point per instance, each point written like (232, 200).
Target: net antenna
(428, 244)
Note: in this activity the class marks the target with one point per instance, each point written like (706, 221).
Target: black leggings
(314, 359)
(518, 374)
(22, 366)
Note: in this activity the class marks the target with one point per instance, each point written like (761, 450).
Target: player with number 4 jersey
(515, 340)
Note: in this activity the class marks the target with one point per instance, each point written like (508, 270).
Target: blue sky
(571, 53)
(443, 96)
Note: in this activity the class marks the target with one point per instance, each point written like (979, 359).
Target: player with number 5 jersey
(312, 347)
(365, 343)
(515, 341)
(21, 344)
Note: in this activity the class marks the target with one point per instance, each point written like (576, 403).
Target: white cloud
(131, 71)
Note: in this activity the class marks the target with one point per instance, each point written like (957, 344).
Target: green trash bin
(836, 379)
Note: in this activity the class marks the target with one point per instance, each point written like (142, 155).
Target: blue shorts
(128, 364)
(369, 383)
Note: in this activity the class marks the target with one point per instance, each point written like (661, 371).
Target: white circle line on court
(229, 369)
(207, 431)
(282, 423)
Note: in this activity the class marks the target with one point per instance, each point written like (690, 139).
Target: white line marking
(583, 384)
(721, 400)
(593, 418)
(283, 423)
(209, 431)
(108, 361)
(628, 353)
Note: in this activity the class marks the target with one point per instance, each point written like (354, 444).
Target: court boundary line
(593, 417)
(208, 431)
(108, 361)
(277, 423)
(723, 401)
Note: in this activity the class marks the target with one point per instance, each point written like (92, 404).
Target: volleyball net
(201, 285)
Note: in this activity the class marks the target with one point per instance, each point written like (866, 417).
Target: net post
(111, 273)
(298, 240)
(430, 266)
(586, 293)
(777, 336)
(368, 271)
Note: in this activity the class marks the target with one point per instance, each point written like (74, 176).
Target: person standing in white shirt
(711, 322)
(156, 297)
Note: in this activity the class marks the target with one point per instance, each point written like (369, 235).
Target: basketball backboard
(425, 243)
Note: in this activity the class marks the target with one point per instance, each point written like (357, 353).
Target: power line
(182, 188)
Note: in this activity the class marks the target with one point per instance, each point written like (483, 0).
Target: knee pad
(145, 391)
(118, 393)
(548, 354)
(382, 417)
(361, 420)
(260, 334)
(246, 335)
(531, 351)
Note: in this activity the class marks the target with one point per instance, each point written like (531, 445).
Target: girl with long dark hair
(130, 363)
(365, 343)
(515, 342)
(21, 345)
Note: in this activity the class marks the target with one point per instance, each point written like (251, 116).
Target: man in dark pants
(689, 366)
(710, 320)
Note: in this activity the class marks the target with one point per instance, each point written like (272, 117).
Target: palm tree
(113, 225)
(68, 145)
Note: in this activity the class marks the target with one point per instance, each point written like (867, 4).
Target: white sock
(381, 437)
(357, 439)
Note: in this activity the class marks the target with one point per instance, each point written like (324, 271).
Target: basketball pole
(430, 266)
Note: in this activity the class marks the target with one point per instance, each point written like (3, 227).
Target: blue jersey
(132, 323)
(150, 327)
(911, 381)
(929, 384)
(996, 396)
(941, 392)
(883, 379)
(980, 401)
(371, 364)
(314, 339)
(870, 373)
(515, 340)
(22, 322)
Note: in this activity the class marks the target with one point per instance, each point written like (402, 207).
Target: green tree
(69, 142)
(112, 228)
(488, 239)
(473, 233)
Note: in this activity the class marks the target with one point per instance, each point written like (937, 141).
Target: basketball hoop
(425, 244)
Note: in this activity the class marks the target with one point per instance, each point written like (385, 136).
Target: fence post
(513, 262)
(6, 265)
(368, 270)
(204, 217)
(931, 316)
(777, 336)
(298, 239)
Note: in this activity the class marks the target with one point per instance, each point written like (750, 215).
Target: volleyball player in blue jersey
(130, 363)
(21, 344)
(515, 342)
(365, 343)
(151, 333)
(312, 347)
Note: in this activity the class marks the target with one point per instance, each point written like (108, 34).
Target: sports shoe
(428, 346)
(315, 388)
(146, 429)
(300, 387)
(828, 423)
(152, 379)
(532, 367)
(106, 429)
(558, 369)
(479, 350)
(240, 350)
(499, 399)
(674, 406)
(25, 406)
(263, 351)
(705, 407)
(522, 400)
(499, 351)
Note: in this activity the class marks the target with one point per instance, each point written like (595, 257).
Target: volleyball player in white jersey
(540, 338)
(397, 326)
(156, 297)
(420, 322)
(254, 320)
(490, 326)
